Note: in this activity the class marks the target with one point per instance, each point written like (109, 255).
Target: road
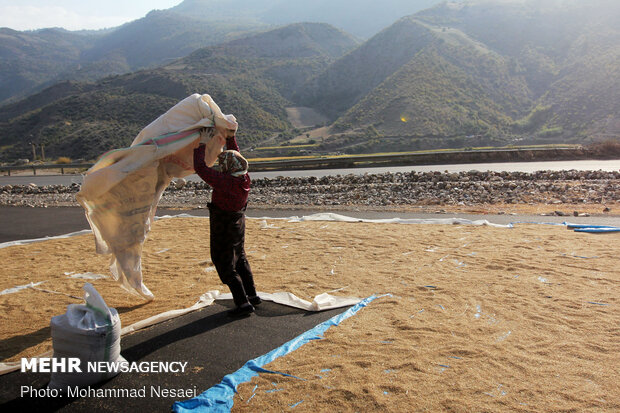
(610, 165)
(22, 223)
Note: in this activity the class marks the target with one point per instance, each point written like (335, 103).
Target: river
(607, 165)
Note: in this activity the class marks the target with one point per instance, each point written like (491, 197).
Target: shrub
(63, 160)
(606, 149)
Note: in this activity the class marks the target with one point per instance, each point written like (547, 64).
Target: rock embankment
(436, 188)
(376, 190)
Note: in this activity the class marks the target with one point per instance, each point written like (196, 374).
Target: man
(231, 187)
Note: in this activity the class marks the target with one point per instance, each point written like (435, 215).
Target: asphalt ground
(21, 223)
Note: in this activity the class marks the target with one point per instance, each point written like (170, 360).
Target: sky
(75, 14)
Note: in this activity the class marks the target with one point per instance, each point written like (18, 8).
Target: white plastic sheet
(19, 288)
(34, 240)
(329, 216)
(321, 302)
(121, 191)
(205, 299)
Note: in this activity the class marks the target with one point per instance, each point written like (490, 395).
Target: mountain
(540, 35)
(478, 73)
(362, 18)
(430, 84)
(33, 60)
(226, 10)
(446, 90)
(463, 74)
(162, 36)
(285, 57)
(252, 76)
(28, 59)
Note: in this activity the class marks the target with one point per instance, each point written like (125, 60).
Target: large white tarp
(121, 191)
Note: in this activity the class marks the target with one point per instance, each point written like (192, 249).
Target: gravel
(374, 190)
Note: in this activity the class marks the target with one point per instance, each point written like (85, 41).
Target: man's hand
(205, 136)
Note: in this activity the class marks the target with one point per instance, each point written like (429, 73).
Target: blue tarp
(592, 228)
(577, 227)
(219, 398)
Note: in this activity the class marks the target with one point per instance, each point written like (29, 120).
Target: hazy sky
(75, 14)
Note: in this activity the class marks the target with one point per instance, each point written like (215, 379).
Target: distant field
(303, 117)
(429, 151)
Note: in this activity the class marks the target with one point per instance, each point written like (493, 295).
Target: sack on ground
(90, 332)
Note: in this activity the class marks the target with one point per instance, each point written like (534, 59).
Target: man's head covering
(232, 162)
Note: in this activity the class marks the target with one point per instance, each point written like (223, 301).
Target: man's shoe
(241, 311)
(255, 300)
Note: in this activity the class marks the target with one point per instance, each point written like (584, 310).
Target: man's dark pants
(228, 252)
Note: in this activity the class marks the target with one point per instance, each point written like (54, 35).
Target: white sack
(121, 191)
(90, 332)
(193, 112)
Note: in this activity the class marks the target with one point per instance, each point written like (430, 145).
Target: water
(608, 165)
(594, 165)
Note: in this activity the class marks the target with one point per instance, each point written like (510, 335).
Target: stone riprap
(375, 190)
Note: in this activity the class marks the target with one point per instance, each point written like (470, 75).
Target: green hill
(478, 73)
(446, 91)
(162, 36)
(84, 120)
(33, 60)
(29, 59)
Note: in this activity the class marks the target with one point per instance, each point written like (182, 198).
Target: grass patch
(481, 148)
